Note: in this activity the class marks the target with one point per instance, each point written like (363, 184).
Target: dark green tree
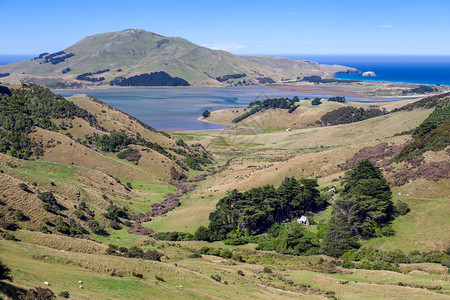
(202, 234)
(367, 184)
(206, 114)
(340, 237)
(5, 272)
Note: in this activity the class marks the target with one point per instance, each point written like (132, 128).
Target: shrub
(159, 278)
(64, 294)
(401, 208)
(40, 293)
(135, 252)
(237, 257)
(152, 255)
(202, 234)
(137, 275)
(225, 253)
(19, 215)
(239, 272)
(79, 214)
(61, 226)
(194, 255)
(216, 277)
(5, 272)
(267, 270)
(213, 251)
(23, 187)
(8, 225)
(8, 236)
(204, 250)
(94, 225)
(47, 207)
(44, 229)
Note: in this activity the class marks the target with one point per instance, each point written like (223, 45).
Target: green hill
(134, 52)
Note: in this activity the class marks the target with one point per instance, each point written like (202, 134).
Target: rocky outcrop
(369, 74)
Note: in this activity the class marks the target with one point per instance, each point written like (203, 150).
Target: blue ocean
(395, 68)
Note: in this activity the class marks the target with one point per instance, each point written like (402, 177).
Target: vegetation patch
(153, 79)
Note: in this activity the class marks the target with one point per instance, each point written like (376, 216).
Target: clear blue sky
(241, 27)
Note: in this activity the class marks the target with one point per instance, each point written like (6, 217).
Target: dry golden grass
(260, 158)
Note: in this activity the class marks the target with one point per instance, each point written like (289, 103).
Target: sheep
(46, 283)
(81, 287)
(80, 281)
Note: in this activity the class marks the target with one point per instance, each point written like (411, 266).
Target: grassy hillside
(65, 157)
(85, 177)
(134, 52)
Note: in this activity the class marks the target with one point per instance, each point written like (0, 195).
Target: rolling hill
(97, 60)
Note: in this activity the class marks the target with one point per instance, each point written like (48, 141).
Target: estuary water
(177, 108)
(172, 109)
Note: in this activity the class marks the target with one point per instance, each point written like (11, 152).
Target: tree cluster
(349, 114)
(282, 103)
(66, 70)
(254, 211)
(55, 58)
(421, 89)
(153, 79)
(32, 105)
(227, 77)
(265, 80)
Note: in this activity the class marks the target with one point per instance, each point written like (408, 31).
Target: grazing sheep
(46, 283)
(80, 286)
(80, 281)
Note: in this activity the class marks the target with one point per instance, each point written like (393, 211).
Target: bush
(202, 234)
(5, 272)
(194, 255)
(225, 253)
(159, 278)
(44, 229)
(401, 208)
(23, 187)
(137, 275)
(19, 215)
(8, 236)
(237, 257)
(64, 294)
(94, 225)
(40, 293)
(61, 226)
(239, 272)
(152, 255)
(79, 214)
(47, 207)
(216, 277)
(267, 270)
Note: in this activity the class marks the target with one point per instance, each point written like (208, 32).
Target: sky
(241, 27)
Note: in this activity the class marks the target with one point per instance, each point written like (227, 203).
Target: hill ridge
(133, 52)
